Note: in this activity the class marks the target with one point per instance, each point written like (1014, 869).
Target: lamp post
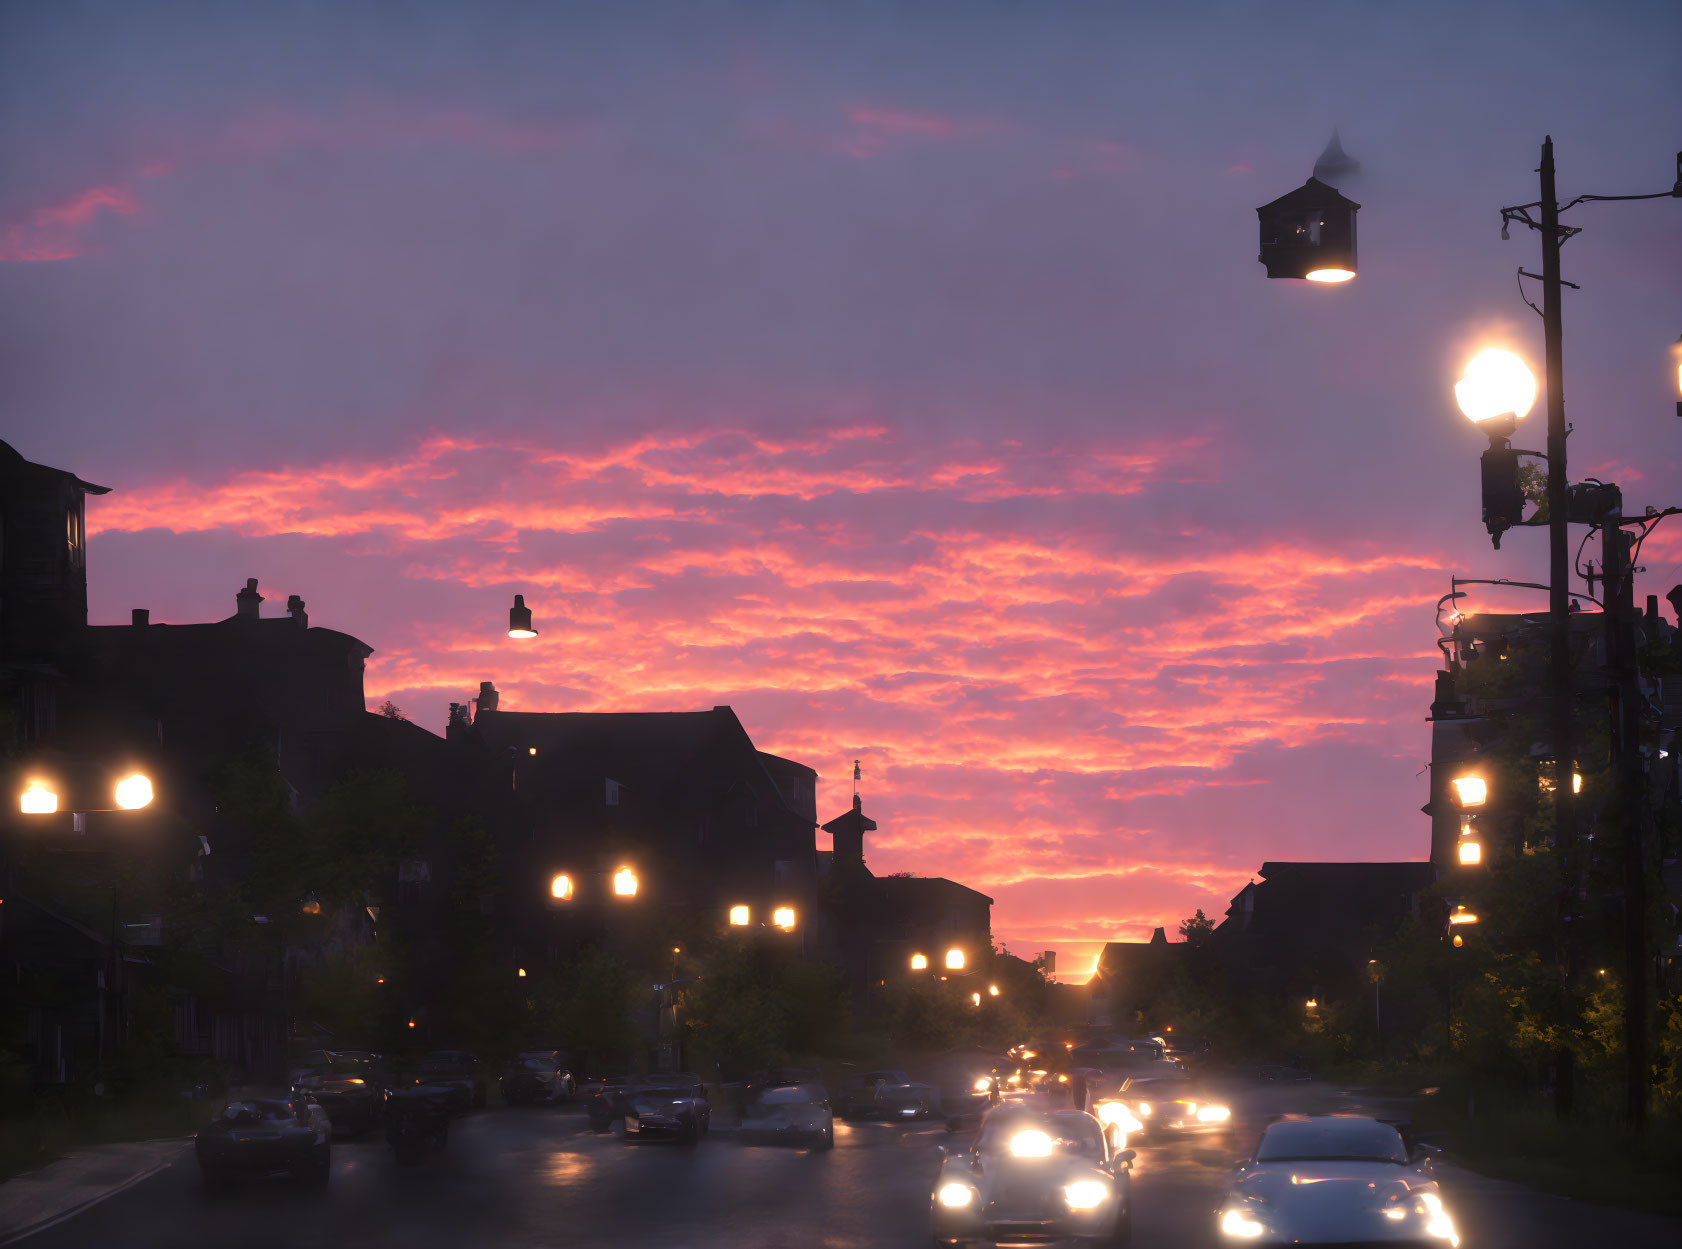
(1597, 508)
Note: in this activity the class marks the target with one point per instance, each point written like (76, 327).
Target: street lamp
(519, 619)
(560, 888)
(38, 798)
(133, 792)
(740, 916)
(1471, 853)
(954, 959)
(1461, 915)
(1471, 790)
(783, 917)
(919, 962)
(993, 990)
(1494, 393)
(625, 883)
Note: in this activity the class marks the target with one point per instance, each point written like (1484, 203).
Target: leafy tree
(1197, 930)
(391, 711)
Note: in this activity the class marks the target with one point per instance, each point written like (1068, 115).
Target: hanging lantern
(1309, 233)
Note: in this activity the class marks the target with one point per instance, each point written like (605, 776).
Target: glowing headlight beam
(955, 1196)
(1085, 1194)
(1236, 1223)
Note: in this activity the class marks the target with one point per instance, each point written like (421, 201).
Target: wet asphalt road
(541, 1177)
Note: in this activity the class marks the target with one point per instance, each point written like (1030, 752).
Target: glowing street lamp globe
(1495, 384)
(1471, 790)
(783, 917)
(919, 962)
(1471, 853)
(625, 883)
(739, 916)
(560, 888)
(954, 959)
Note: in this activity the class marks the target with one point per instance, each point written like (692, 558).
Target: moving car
(458, 1069)
(531, 1079)
(859, 1094)
(798, 1113)
(1334, 1179)
(1169, 1100)
(261, 1131)
(1035, 1176)
(908, 1101)
(670, 1106)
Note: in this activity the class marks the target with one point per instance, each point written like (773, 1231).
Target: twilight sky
(901, 375)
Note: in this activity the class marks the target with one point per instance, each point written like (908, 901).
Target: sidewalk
(35, 1200)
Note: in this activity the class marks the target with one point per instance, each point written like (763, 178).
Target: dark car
(908, 1101)
(536, 1079)
(456, 1068)
(262, 1131)
(859, 1094)
(1172, 1101)
(798, 1113)
(350, 1087)
(674, 1107)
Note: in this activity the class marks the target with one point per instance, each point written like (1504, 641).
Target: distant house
(875, 925)
(703, 819)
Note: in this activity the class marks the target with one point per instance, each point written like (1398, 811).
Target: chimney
(140, 617)
(487, 696)
(1159, 937)
(295, 609)
(247, 599)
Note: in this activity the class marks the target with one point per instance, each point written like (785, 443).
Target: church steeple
(1335, 164)
(848, 830)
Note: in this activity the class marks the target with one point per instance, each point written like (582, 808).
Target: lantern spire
(1335, 163)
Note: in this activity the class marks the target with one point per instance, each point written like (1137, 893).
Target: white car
(1334, 1179)
(797, 1113)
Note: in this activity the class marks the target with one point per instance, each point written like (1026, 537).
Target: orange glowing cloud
(1086, 728)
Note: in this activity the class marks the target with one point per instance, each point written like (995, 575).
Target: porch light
(954, 959)
(1471, 790)
(919, 962)
(560, 888)
(1471, 853)
(783, 917)
(739, 916)
(625, 883)
(133, 792)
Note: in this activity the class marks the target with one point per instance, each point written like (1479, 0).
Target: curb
(53, 1220)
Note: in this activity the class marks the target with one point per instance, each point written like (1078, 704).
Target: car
(351, 1089)
(674, 1107)
(790, 1112)
(858, 1096)
(533, 1079)
(1169, 1100)
(456, 1068)
(264, 1130)
(1035, 1176)
(900, 1103)
(1338, 1179)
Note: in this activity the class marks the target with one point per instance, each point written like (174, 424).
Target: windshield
(1314, 1139)
(1077, 1135)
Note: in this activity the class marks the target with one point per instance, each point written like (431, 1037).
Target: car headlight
(1085, 1194)
(1144, 1108)
(1437, 1222)
(1236, 1223)
(955, 1196)
(1213, 1114)
(1031, 1144)
(983, 1085)
(1116, 1114)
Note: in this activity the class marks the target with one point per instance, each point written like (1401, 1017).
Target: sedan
(797, 1113)
(1174, 1102)
(458, 1069)
(1035, 1176)
(671, 1106)
(1334, 1179)
(262, 1131)
(528, 1081)
(350, 1092)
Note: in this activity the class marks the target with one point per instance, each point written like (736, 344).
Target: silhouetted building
(1311, 927)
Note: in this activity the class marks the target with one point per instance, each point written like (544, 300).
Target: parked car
(1335, 1178)
(262, 1131)
(456, 1068)
(859, 1094)
(798, 1113)
(674, 1107)
(911, 1100)
(536, 1079)
(1035, 1176)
